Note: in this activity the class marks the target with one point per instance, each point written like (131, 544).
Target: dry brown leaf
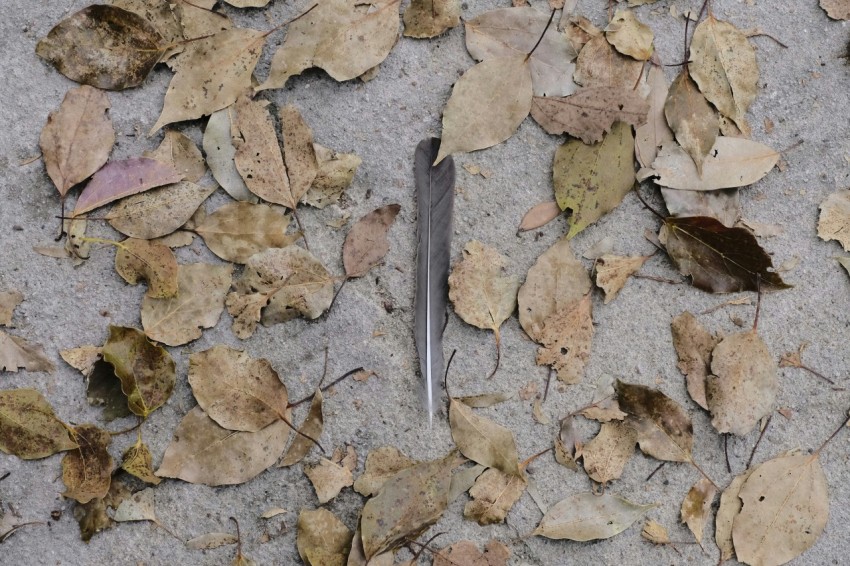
(381, 464)
(785, 510)
(744, 386)
(140, 259)
(539, 215)
(693, 344)
(177, 150)
(567, 445)
(124, 178)
(87, 470)
(484, 400)
(235, 390)
(299, 154)
(693, 121)
(697, 506)
(578, 29)
(723, 64)
(466, 552)
(336, 170)
(321, 538)
(201, 289)
(158, 212)
(430, 18)
(210, 74)
(566, 340)
(77, 138)
(721, 204)
(366, 243)
(137, 460)
(211, 540)
(138, 507)
(834, 221)
(655, 533)
(590, 112)
(730, 506)
(328, 479)
(160, 15)
(312, 426)
(629, 35)
(556, 280)
(836, 9)
(483, 441)
(28, 427)
(16, 353)
(198, 19)
(218, 146)
(655, 132)
(613, 271)
(82, 358)
(599, 64)
(238, 230)
(587, 516)
(605, 456)
(487, 105)
(493, 496)
(663, 428)
(205, 453)
(605, 407)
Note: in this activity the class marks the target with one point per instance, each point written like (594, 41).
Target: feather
(435, 196)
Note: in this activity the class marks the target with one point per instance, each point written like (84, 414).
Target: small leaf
(211, 540)
(655, 533)
(719, 259)
(155, 263)
(493, 496)
(697, 506)
(146, 371)
(629, 35)
(321, 538)
(328, 479)
(487, 105)
(693, 345)
(312, 427)
(158, 212)
(238, 230)
(599, 64)
(834, 221)
(605, 456)
(103, 46)
(28, 427)
(381, 464)
(467, 553)
(16, 353)
(87, 470)
(77, 138)
(730, 507)
(692, 119)
(119, 179)
(484, 400)
(299, 154)
(430, 18)
(566, 340)
(655, 132)
(218, 146)
(137, 507)
(137, 460)
(539, 215)
(586, 516)
(613, 271)
(9, 301)
(483, 441)
(664, 429)
(836, 9)
(366, 243)
(592, 180)
(336, 171)
(235, 390)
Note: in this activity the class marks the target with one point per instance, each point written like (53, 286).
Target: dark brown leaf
(664, 429)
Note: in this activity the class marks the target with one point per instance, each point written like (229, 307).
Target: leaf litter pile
(617, 125)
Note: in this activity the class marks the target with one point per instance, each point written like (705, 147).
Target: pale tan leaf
(664, 429)
(158, 212)
(655, 132)
(484, 400)
(693, 121)
(336, 170)
(464, 480)
(599, 64)
(366, 243)
(730, 506)
(539, 215)
(578, 29)
(321, 538)
(180, 152)
(567, 445)
(605, 456)
(238, 230)
(17, 353)
(493, 496)
(629, 35)
(836, 9)
(205, 453)
(483, 441)
(845, 262)
(140, 259)
(218, 146)
(693, 344)
(211, 540)
(566, 340)
(466, 552)
(430, 18)
(655, 533)
(87, 470)
(160, 15)
(313, 425)
(721, 204)
(834, 221)
(487, 105)
(82, 358)
(201, 289)
(137, 507)
(273, 512)
(198, 19)
(613, 271)
(328, 479)
(381, 464)
(697, 506)
(586, 516)
(299, 154)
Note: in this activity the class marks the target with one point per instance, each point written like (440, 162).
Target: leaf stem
(755, 447)
(446, 375)
(655, 471)
(551, 17)
(652, 210)
(126, 430)
(498, 354)
(693, 463)
(325, 388)
(338, 291)
(524, 464)
(833, 435)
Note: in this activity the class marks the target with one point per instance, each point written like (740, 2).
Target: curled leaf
(693, 345)
(137, 460)
(155, 263)
(664, 429)
(218, 146)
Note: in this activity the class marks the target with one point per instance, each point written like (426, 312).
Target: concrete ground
(803, 92)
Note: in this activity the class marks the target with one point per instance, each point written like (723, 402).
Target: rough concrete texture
(802, 90)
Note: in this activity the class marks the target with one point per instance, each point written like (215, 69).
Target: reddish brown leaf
(120, 179)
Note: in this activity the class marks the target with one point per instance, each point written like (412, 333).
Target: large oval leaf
(586, 516)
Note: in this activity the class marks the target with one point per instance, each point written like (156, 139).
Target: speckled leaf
(483, 441)
(834, 221)
(587, 516)
(201, 290)
(613, 271)
(218, 146)
(328, 479)
(430, 18)
(607, 453)
(381, 464)
(366, 243)
(103, 46)
(140, 259)
(137, 460)
(336, 171)
(28, 427)
(146, 371)
(17, 353)
(87, 470)
(591, 180)
(664, 429)
(599, 64)
(693, 121)
(693, 345)
(629, 35)
(302, 165)
(160, 15)
(158, 212)
(179, 151)
(137, 507)
(565, 340)
(312, 427)
(466, 552)
(697, 506)
(321, 538)
(238, 230)
(493, 496)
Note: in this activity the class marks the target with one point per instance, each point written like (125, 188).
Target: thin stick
(126, 430)
(301, 229)
(761, 435)
(551, 17)
(325, 388)
(29, 160)
(726, 453)
(703, 474)
(546, 391)
(299, 433)
(817, 374)
(6, 475)
(524, 464)
(446, 374)
(344, 281)
(238, 537)
(655, 471)
(658, 279)
(498, 354)
(758, 302)
(61, 222)
(833, 435)
(652, 210)
(325, 367)
(422, 547)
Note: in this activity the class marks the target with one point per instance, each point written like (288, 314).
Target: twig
(659, 279)
(498, 354)
(655, 471)
(755, 447)
(548, 380)
(338, 291)
(325, 388)
(446, 374)
(726, 452)
(524, 464)
(551, 17)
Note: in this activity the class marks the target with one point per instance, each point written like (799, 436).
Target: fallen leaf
(604, 407)
(602, 247)
(834, 221)
(463, 480)
(613, 271)
(836, 9)
(273, 512)
(137, 460)
(693, 121)
(539, 215)
(723, 64)
(328, 479)
(591, 180)
(586, 516)
(731, 162)
(82, 359)
(629, 35)
(211, 540)
(366, 243)
(484, 400)
(336, 171)
(493, 496)
(87, 469)
(556, 280)
(589, 113)
(198, 19)
(161, 16)
(218, 146)
(312, 426)
(77, 246)
(785, 510)
(381, 464)
(301, 163)
(146, 371)
(286, 282)
(538, 414)
(744, 384)
(763, 229)
(483, 441)
(77, 138)
(655, 533)
(92, 517)
(722, 204)
(730, 506)
(155, 263)
(566, 340)
(655, 132)
(9, 301)
(204, 453)
(407, 503)
(513, 32)
(430, 18)
(103, 46)
(599, 64)
(578, 29)
(845, 262)
(210, 74)
(321, 538)
(466, 552)
(487, 105)
(235, 390)
(119, 179)
(137, 507)
(201, 290)
(238, 230)
(607, 453)
(30, 429)
(567, 445)
(697, 506)
(158, 212)
(17, 353)
(719, 259)
(664, 429)
(693, 344)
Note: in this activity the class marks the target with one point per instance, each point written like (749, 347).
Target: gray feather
(435, 198)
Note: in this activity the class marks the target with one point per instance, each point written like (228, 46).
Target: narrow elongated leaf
(312, 427)
(655, 132)
(587, 516)
(589, 113)
(366, 243)
(158, 212)
(730, 507)
(87, 470)
(302, 166)
(697, 506)
(103, 46)
(693, 345)
(539, 215)
(435, 204)
(238, 230)
(119, 179)
(483, 441)
(692, 119)
(664, 429)
(29, 428)
(218, 146)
